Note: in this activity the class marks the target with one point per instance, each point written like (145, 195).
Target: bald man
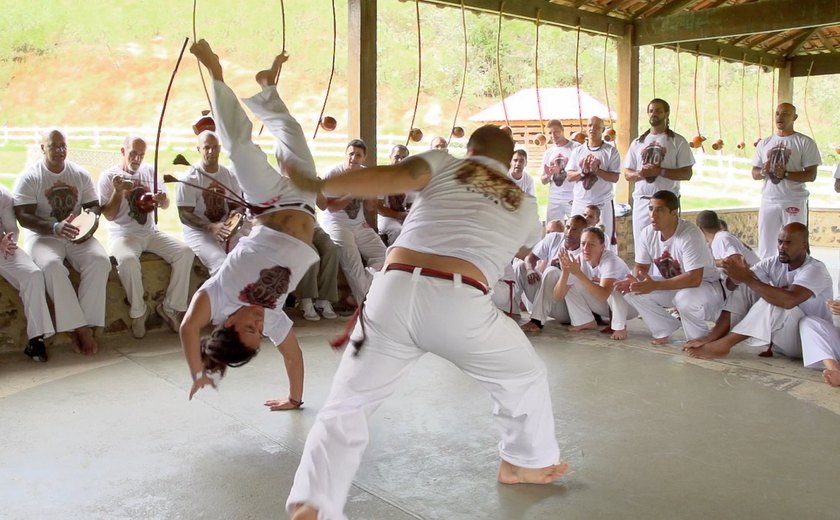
(49, 195)
(771, 299)
(555, 159)
(132, 231)
(783, 162)
(439, 143)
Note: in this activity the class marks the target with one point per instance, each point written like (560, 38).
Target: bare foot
(531, 327)
(281, 405)
(87, 343)
(201, 50)
(268, 77)
(695, 343)
(831, 377)
(510, 474)
(305, 512)
(711, 350)
(77, 342)
(586, 326)
(660, 341)
(619, 335)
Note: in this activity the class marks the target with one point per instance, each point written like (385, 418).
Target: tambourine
(87, 222)
(234, 223)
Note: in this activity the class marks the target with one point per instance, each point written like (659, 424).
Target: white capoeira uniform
(56, 197)
(209, 205)
(389, 226)
(580, 302)
(560, 198)
(664, 151)
(267, 264)
(469, 210)
(725, 244)
(22, 273)
(525, 183)
(820, 339)
(685, 251)
(786, 201)
(767, 324)
(593, 190)
(357, 242)
(133, 231)
(541, 294)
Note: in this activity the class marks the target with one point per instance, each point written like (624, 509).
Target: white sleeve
(8, 223)
(685, 157)
(277, 325)
(642, 254)
(813, 277)
(694, 252)
(185, 195)
(25, 190)
(724, 247)
(631, 161)
(88, 194)
(106, 187)
(810, 154)
(613, 163)
(574, 160)
(837, 172)
(758, 156)
(614, 268)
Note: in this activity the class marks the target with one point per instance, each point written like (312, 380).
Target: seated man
(821, 343)
(344, 220)
(773, 296)
(518, 174)
(133, 230)
(587, 283)
(592, 214)
(244, 299)
(686, 279)
(318, 289)
(203, 206)
(49, 195)
(21, 272)
(392, 210)
(544, 305)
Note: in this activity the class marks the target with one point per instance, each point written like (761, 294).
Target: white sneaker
(308, 310)
(326, 310)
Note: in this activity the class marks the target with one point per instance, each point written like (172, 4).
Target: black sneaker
(36, 349)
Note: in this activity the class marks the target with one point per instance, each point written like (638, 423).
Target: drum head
(87, 224)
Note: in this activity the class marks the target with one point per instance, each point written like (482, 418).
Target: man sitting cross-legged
(821, 343)
(773, 296)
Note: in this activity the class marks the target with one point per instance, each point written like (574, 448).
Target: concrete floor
(649, 434)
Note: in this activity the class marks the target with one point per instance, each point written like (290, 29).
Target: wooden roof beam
(729, 52)
(825, 63)
(674, 7)
(736, 20)
(799, 41)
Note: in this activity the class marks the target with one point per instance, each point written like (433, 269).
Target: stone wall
(155, 281)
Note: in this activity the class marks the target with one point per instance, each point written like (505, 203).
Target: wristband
(198, 375)
(55, 227)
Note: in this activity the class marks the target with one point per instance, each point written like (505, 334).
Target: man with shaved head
(555, 159)
(49, 195)
(771, 298)
(784, 162)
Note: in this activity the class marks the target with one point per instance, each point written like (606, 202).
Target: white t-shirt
(525, 183)
(208, 204)
(352, 214)
(129, 220)
(592, 189)
(564, 192)
(661, 150)
(550, 246)
(610, 266)
(725, 244)
(263, 268)
(794, 153)
(685, 251)
(55, 195)
(8, 222)
(472, 210)
(812, 275)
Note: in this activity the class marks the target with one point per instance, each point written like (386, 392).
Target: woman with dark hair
(244, 298)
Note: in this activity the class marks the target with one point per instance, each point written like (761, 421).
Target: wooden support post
(785, 88)
(361, 73)
(628, 104)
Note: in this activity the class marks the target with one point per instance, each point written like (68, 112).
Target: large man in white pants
(773, 296)
(133, 230)
(686, 279)
(432, 297)
(19, 270)
(555, 159)
(595, 167)
(587, 286)
(48, 196)
(784, 162)
(658, 160)
(821, 342)
(344, 220)
(203, 208)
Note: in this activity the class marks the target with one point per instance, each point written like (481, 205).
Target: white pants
(406, 316)
(544, 305)
(607, 220)
(390, 227)
(820, 341)
(581, 304)
(696, 306)
(506, 294)
(127, 250)
(209, 251)
(22, 273)
(558, 210)
(641, 219)
(356, 243)
(772, 217)
(767, 324)
(91, 261)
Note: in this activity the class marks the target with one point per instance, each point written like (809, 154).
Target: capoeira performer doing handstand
(244, 298)
(821, 342)
(469, 220)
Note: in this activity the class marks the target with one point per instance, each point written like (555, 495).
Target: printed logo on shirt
(668, 266)
(792, 210)
(62, 198)
(559, 161)
(497, 187)
(353, 208)
(141, 217)
(589, 177)
(214, 204)
(654, 154)
(269, 287)
(777, 159)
